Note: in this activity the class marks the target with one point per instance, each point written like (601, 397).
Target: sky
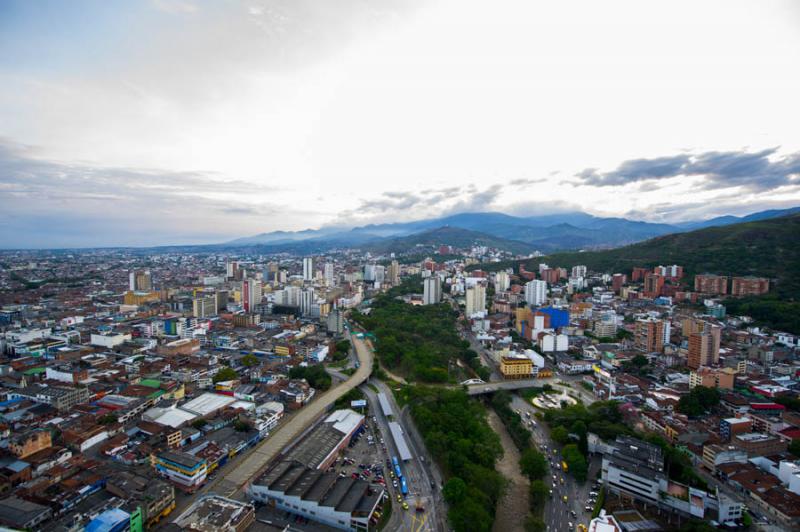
(181, 122)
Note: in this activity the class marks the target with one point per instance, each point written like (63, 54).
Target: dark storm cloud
(762, 170)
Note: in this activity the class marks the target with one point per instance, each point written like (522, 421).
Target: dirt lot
(515, 500)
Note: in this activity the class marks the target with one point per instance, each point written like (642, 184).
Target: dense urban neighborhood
(469, 389)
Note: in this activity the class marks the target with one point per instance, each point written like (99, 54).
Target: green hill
(766, 248)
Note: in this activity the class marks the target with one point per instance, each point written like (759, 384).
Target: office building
(369, 272)
(476, 299)
(140, 281)
(306, 301)
(704, 346)
(649, 335)
(536, 292)
(749, 286)
(204, 307)
(431, 290)
(713, 285)
(308, 269)
(251, 294)
(635, 468)
(335, 321)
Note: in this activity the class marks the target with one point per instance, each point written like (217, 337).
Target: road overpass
(491, 387)
(234, 481)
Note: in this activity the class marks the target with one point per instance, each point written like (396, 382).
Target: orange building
(749, 286)
(711, 284)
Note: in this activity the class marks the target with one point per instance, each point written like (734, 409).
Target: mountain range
(515, 234)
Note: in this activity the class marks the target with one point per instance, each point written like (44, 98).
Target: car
(593, 493)
(399, 498)
(588, 508)
(555, 477)
(565, 499)
(571, 526)
(573, 514)
(562, 480)
(405, 506)
(555, 485)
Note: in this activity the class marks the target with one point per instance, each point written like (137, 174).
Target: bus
(564, 466)
(398, 472)
(394, 461)
(403, 486)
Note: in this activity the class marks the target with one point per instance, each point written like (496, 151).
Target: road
(491, 387)
(557, 513)
(234, 481)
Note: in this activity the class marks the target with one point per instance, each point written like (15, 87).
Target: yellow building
(516, 368)
(140, 298)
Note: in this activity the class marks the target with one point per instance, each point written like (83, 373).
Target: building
(639, 273)
(61, 398)
(536, 292)
(476, 299)
(23, 444)
(502, 281)
(155, 497)
(431, 290)
(669, 272)
(214, 513)
(618, 280)
(328, 272)
(653, 285)
(711, 284)
(139, 298)
(393, 273)
(342, 503)
(21, 514)
(550, 342)
(335, 321)
(649, 335)
(704, 346)
(186, 471)
(722, 378)
(251, 294)
(749, 286)
(204, 307)
(732, 426)
(140, 281)
(516, 367)
(308, 269)
(321, 446)
(758, 444)
(635, 468)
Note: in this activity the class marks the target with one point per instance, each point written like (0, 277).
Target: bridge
(491, 387)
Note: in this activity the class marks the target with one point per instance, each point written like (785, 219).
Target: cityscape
(445, 266)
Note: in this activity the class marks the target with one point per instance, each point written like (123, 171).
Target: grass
(601, 500)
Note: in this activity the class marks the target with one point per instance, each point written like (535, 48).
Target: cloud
(762, 170)
(527, 181)
(53, 204)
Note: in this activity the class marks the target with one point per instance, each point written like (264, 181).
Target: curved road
(233, 482)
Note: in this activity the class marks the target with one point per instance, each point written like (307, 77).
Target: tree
(250, 360)
(533, 463)
(578, 467)
(534, 524)
(538, 494)
(225, 374)
(199, 423)
(794, 448)
(454, 490)
(560, 435)
(698, 401)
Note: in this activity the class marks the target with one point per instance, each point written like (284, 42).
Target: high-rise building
(380, 274)
(394, 273)
(330, 279)
(476, 299)
(251, 294)
(749, 286)
(711, 284)
(704, 346)
(618, 281)
(639, 273)
(140, 281)
(551, 276)
(653, 285)
(649, 335)
(222, 299)
(536, 292)
(306, 301)
(204, 307)
(578, 271)
(431, 290)
(308, 269)
(335, 321)
(502, 281)
(369, 272)
(232, 269)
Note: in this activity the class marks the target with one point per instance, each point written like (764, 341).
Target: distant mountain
(448, 236)
(546, 233)
(728, 220)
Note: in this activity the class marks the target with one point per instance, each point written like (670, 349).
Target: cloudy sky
(180, 121)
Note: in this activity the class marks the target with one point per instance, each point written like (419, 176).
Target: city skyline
(152, 124)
